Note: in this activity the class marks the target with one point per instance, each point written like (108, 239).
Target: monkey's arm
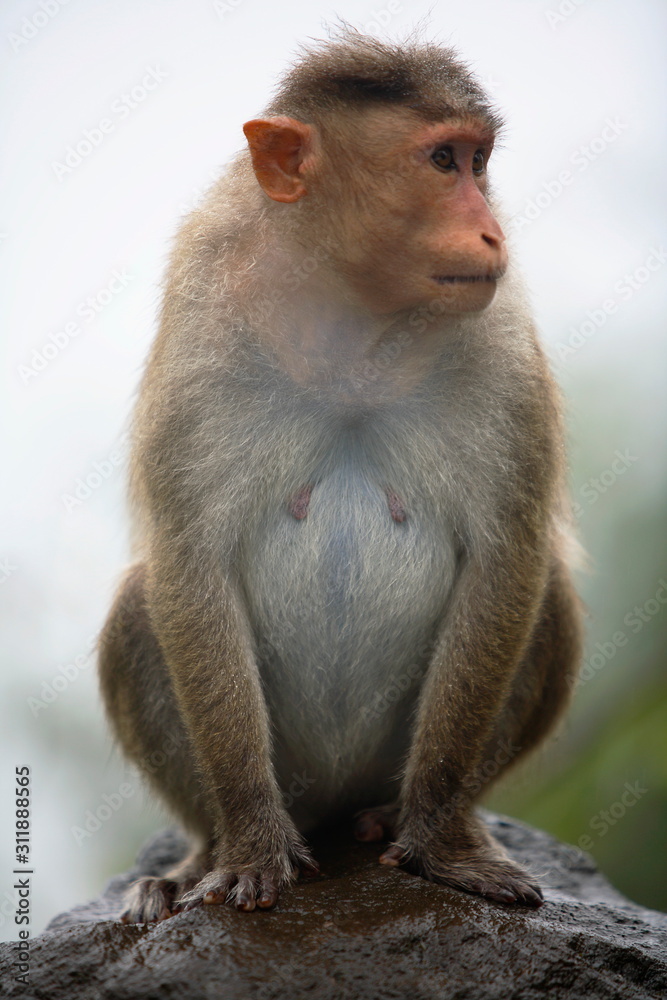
(486, 632)
(205, 639)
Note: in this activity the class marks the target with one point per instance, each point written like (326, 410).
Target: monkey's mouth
(466, 279)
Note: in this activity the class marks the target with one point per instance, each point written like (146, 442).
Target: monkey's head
(385, 149)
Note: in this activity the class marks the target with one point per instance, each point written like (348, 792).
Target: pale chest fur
(346, 586)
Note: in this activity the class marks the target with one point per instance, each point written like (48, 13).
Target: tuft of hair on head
(354, 70)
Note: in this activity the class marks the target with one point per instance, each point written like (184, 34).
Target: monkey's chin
(464, 295)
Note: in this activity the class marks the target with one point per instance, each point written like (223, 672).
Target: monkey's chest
(346, 583)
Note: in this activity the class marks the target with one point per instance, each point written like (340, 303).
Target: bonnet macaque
(347, 470)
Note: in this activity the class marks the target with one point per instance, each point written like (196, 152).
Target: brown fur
(348, 477)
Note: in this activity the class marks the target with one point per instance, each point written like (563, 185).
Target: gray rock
(363, 931)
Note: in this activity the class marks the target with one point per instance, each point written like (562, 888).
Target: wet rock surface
(360, 930)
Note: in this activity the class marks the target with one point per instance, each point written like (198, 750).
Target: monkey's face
(419, 229)
(400, 203)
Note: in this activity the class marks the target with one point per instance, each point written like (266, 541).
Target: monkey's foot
(151, 899)
(377, 824)
(468, 859)
(254, 886)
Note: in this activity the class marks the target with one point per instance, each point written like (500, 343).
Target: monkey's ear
(279, 148)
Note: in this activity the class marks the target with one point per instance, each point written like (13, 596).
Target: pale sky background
(582, 92)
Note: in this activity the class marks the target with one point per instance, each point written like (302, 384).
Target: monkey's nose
(495, 241)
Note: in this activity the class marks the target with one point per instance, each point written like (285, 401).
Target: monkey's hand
(464, 855)
(253, 876)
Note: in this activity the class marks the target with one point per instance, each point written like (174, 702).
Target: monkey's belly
(345, 601)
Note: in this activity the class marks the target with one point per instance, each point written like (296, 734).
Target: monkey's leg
(141, 705)
(482, 646)
(142, 710)
(544, 684)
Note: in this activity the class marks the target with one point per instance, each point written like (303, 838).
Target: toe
(392, 856)
(499, 894)
(246, 893)
(268, 894)
(531, 896)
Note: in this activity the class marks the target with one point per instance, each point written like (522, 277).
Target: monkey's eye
(444, 158)
(478, 164)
